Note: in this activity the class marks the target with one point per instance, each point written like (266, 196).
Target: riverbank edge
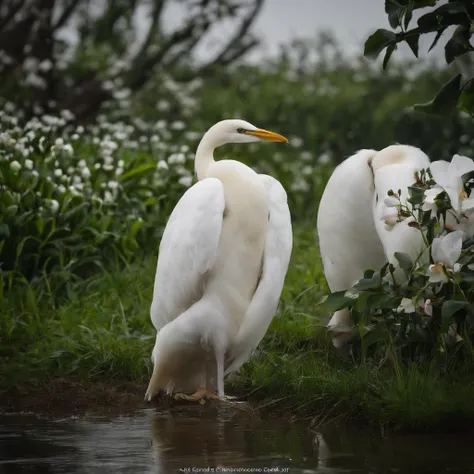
(79, 397)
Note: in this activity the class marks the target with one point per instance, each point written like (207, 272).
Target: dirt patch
(74, 397)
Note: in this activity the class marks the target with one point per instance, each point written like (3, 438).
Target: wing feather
(278, 247)
(188, 250)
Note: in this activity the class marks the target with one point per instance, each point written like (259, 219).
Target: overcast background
(280, 21)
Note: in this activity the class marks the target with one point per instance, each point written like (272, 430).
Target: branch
(188, 47)
(66, 14)
(240, 33)
(234, 49)
(14, 8)
(143, 67)
(156, 14)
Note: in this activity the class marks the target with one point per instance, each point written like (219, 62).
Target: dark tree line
(62, 53)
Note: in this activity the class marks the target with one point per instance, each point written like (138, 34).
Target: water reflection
(194, 438)
(227, 438)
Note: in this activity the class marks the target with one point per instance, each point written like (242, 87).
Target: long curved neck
(204, 156)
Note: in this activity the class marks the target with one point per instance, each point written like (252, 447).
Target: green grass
(102, 332)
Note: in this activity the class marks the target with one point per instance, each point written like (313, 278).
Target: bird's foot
(200, 395)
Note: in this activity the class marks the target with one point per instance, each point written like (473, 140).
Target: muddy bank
(80, 397)
(73, 397)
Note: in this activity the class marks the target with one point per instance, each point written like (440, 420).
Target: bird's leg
(220, 373)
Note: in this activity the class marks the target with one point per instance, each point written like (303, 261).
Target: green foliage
(74, 200)
(426, 314)
(459, 90)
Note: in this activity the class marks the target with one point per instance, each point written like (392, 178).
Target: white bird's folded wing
(188, 250)
(278, 247)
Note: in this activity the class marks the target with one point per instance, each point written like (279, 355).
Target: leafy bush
(73, 199)
(431, 310)
(458, 91)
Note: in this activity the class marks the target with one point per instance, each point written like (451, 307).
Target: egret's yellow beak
(266, 135)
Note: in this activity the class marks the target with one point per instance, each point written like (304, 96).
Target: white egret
(352, 233)
(222, 262)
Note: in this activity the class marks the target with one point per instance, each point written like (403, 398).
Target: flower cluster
(432, 307)
(73, 197)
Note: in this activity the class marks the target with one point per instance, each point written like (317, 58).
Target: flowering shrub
(431, 309)
(73, 198)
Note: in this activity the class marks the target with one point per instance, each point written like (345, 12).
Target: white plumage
(351, 231)
(223, 258)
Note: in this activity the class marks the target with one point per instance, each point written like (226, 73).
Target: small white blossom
(428, 308)
(186, 181)
(108, 197)
(392, 201)
(390, 217)
(449, 177)
(406, 306)
(429, 202)
(177, 158)
(86, 172)
(58, 172)
(29, 164)
(54, 206)
(162, 165)
(15, 166)
(445, 251)
(68, 149)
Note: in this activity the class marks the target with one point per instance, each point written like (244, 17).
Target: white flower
(40, 144)
(445, 251)
(392, 201)
(406, 306)
(54, 206)
(59, 142)
(108, 197)
(112, 184)
(296, 142)
(45, 65)
(429, 202)
(68, 149)
(186, 181)
(86, 172)
(176, 158)
(178, 125)
(58, 172)
(471, 266)
(449, 177)
(15, 166)
(324, 158)
(162, 165)
(390, 216)
(29, 164)
(428, 308)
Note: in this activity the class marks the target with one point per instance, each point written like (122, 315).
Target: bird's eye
(240, 130)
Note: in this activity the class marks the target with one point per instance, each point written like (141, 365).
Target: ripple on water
(201, 438)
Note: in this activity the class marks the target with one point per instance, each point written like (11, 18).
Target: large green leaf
(466, 99)
(445, 101)
(453, 13)
(458, 44)
(336, 301)
(404, 260)
(449, 308)
(134, 172)
(377, 42)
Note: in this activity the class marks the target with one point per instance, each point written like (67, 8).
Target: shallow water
(207, 439)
